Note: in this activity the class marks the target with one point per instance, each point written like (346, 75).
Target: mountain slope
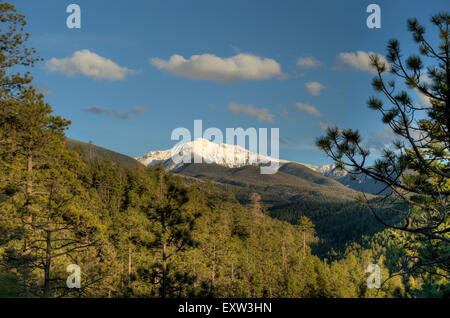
(292, 182)
(91, 152)
(231, 156)
(360, 182)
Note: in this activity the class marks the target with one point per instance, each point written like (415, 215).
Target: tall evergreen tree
(42, 209)
(306, 227)
(416, 169)
(172, 226)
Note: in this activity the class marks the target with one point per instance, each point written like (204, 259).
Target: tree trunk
(232, 271)
(29, 179)
(304, 243)
(29, 191)
(129, 267)
(213, 268)
(48, 259)
(164, 287)
(164, 245)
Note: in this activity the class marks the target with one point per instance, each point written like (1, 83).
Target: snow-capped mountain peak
(205, 151)
(233, 156)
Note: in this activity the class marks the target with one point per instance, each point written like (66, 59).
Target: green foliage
(90, 152)
(416, 167)
(292, 182)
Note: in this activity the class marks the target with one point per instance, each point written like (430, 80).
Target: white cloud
(308, 108)
(309, 62)
(89, 64)
(262, 114)
(217, 69)
(359, 61)
(314, 87)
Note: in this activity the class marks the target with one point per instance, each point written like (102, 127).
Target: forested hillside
(90, 152)
(213, 245)
(293, 182)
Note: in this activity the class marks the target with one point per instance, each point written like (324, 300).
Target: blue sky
(132, 102)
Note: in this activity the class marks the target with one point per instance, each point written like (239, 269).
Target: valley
(295, 190)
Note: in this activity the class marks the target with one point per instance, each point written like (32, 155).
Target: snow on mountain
(329, 171)
(359, 182)
(231, 156)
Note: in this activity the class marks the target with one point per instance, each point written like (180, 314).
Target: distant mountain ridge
(359, 182)
(292, 182)
(210, 153)
(235, 157)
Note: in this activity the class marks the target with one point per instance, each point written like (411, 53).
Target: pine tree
(306, 227)
(172, 227)
(43, 208)
(416, 168)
